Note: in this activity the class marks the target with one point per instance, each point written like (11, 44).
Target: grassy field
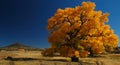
(110, 59)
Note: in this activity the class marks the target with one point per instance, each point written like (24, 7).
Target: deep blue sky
(25, 21)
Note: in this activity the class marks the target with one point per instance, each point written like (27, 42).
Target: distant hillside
(17, 46)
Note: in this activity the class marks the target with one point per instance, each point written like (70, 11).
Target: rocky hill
(16, 46)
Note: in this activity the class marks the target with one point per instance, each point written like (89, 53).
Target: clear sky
(25, 21)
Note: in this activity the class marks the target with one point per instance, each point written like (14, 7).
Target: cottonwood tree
(81, 29)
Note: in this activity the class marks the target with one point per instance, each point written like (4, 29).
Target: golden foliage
(66, 51)
(84, 54)
(83, 28)
(48, 52)
(77, 54)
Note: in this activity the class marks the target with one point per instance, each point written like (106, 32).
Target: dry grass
(110, 59)
(3, 62)
(21, 54)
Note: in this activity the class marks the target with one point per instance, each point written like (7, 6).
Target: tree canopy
(81, 29)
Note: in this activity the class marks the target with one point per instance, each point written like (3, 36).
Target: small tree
(82, 29)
